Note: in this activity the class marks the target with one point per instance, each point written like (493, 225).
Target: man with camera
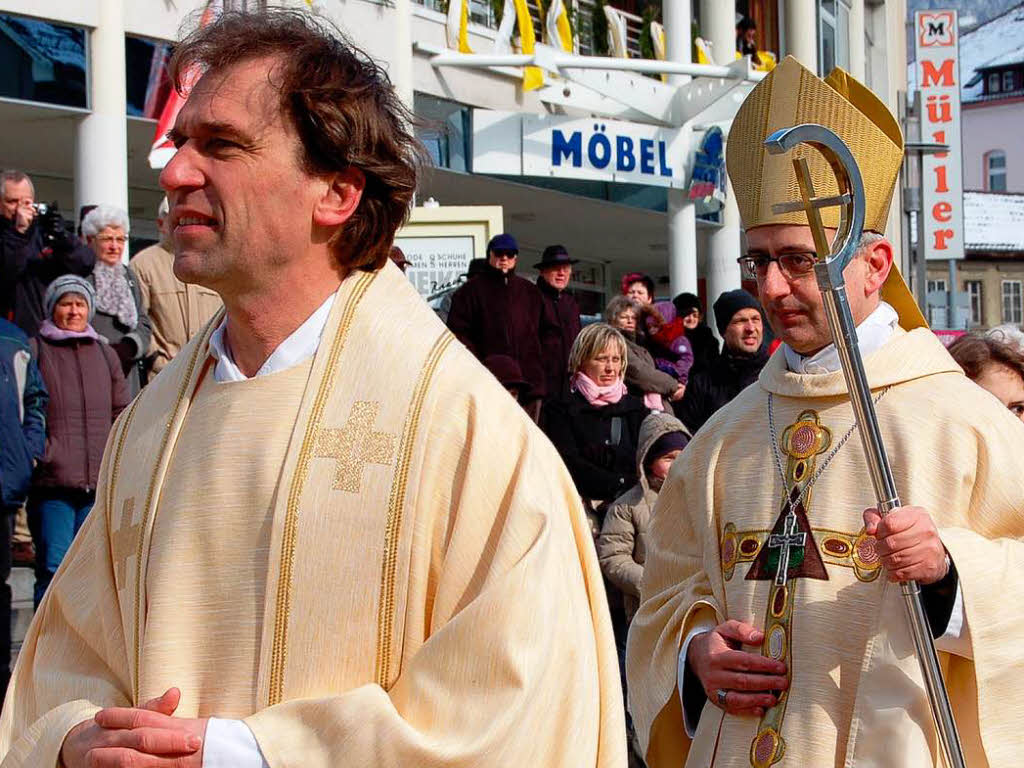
(35, 248)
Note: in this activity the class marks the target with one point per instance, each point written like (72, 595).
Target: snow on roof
(997, 42)
(993, 222)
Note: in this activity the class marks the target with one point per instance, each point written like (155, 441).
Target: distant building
(992, 92)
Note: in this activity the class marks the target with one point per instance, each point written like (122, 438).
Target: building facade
(81, 87)
(992, 93)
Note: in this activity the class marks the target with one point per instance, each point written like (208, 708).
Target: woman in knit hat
(87, 392)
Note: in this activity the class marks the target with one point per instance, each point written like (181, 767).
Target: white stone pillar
(858, 58)
(800, 32)
(682, 215)
(723, 273)
(403, 51)
(101, 138)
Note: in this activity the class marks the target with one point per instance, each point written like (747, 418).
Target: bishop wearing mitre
(772, 629)
(324, 535)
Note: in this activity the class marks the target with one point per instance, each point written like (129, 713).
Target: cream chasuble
(856, 696)
(374, 559)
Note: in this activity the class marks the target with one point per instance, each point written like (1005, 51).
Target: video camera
(52, 226)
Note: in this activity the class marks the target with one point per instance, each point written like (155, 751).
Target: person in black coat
(741, 323)
(562, 315)
(702, 339)
(500, 313)
(596, 427)
(34, 251)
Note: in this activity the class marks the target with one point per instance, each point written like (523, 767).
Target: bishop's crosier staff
(829, 272)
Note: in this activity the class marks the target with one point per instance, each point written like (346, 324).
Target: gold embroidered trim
(279, 651)
(116, 467)
(396, 502)
(147, 511)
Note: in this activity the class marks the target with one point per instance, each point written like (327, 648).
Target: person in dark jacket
(23, 401)
(34, 249)
(702, 339)
(500, 313)
(740, 321)
(120, 315)
(597, 425)
(87, 392)
(562, 315)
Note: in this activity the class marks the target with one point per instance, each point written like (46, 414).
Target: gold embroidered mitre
(792, 95)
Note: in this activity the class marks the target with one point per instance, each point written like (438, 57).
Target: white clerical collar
(297, 348)
(876, 330)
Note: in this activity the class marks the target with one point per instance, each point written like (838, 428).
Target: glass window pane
(1007, 81)
(997, 182)
(996, 160)
(42, 61)
(147, 84)
(993, 83)
(828, 47)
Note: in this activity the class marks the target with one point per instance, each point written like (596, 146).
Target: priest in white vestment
(772, 630)
(324, 536)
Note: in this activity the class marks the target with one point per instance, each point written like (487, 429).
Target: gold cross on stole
(796, 546)
(355, 445)
(125, 541)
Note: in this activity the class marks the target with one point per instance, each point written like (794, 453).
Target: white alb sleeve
(957, 639)
(689, 723)
(230, 744)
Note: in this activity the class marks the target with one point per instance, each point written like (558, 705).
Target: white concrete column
(723, 273)
(800, 31)
(101, 138)
(858, 59)
(403, 51)
(682, 215)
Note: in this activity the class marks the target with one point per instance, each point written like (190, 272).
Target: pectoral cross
(355, 445)
(790, 537)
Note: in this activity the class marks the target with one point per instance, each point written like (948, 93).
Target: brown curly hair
(340, 102)
(975, 352)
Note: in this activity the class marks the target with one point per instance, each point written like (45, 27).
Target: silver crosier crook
(828, 269)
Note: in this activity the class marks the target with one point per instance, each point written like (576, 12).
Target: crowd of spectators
(81, 332)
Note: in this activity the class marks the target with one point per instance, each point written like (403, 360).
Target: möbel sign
(938, 78)
(603, 150)
(517, 144)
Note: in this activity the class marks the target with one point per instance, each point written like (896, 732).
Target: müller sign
(938, 77)
(518, 144)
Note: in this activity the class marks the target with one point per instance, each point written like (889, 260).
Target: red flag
(163, 150)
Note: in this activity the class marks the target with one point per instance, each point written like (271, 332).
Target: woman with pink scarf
(597, 425)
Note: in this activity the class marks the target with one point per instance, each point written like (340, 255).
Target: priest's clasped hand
(146, 737)
(749, 681)
(908, 544)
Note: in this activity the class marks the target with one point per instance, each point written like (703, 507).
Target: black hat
(554, 256)
(670, 441)
(507, 371)
(687, 302)
(476, 267)
(731, 302)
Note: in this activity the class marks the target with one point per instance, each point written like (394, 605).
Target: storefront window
(146, 80)
(42, 61)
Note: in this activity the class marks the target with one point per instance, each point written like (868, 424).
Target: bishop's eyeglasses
(794, 266)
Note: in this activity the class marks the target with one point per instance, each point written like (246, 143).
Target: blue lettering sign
(647, 156)
(571, 148)
(625, 160)
(599, 159)
(663, 167)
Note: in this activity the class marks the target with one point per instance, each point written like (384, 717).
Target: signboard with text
(595, 149)
(937, 45)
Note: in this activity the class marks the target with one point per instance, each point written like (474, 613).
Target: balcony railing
(482, 12)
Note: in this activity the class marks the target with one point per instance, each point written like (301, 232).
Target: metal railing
(482, 12)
